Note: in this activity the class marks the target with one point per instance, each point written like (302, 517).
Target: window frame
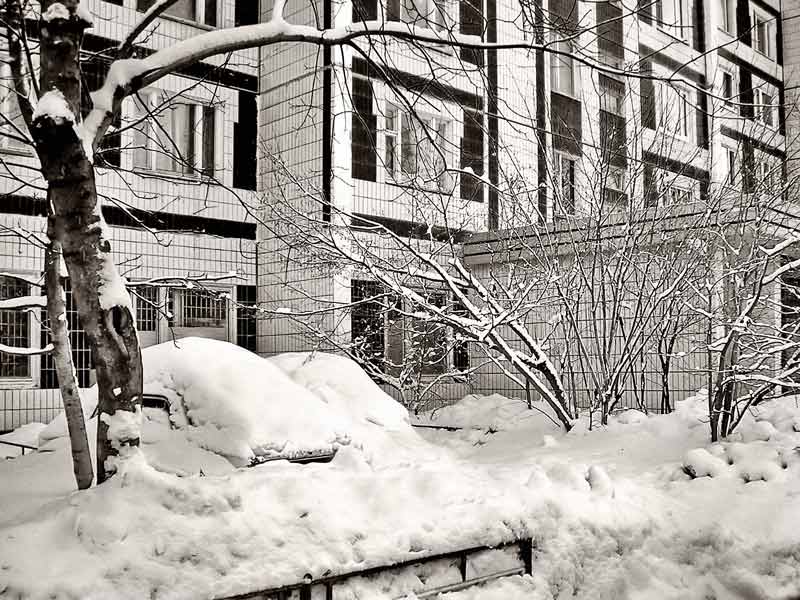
(565, 61)
(198, 18)
(446, 182)
(15, 381)
(443, 8)
(665, 118)
(762, 108)
(728, 22)
(679, 30)
(730, 99)
(562, 208)
(757, 15)
(196, 169)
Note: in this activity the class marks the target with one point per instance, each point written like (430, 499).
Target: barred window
(246, 317)
(81, 352)
(14, 329)
(146, 308)
(202, 309)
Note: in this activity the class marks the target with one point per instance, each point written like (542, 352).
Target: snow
(27, 434)
(83, 13)
(23, 302)
(53, 104)
(613, 510)
(55, 11)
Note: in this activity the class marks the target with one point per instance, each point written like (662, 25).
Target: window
(201, 11)
(563, 184)
(245, 13)
(674, 110)
(614, 196)
(472, 156)
(174, 135)
(730, 167)
(672, 17)
(764, 108)
(146, 308)
(384, 335)
(427, 341)
(420, 13)
(765, 175)
(727, 9)
(245, 142)
(763, 34)
(246, 317)
(14, 329)
(364, 129)
(562, 69)
(13, 131)
(81, 351)
(612, 95)
(417, 150)
(727, 90)
(201, 309)
(676, 194)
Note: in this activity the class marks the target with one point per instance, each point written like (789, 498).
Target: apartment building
(177, 191)
(553, 135)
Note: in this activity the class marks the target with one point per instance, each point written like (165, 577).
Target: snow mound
(231, 402)
(493, 412)
(27, 435)
(344, 385)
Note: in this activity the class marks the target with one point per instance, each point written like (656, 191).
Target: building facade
(654, 104)
(177, 192)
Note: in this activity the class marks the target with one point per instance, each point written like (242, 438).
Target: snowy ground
(613, 511)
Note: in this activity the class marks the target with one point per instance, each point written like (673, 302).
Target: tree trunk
(65, 369)
(103, 304)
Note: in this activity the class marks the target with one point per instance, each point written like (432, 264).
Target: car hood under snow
(229, 406)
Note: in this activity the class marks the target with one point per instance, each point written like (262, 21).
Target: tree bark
(103, 303)
(65, 369)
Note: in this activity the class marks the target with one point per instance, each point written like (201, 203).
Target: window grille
(246, 317)
(146, 308)
(202, 309)
(81, 352)
(14, 329)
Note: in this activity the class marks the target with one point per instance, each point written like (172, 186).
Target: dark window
(211, 12)
(460, 347)
(246, 12)
(81, 352)
(471, 23)
(146, 308)
(245, 143)
(14, 329)
(364, 130)
(647, 97)
(428, 341)
(472, 156)
(117, 2)
(392, 10)
(727, 87)
(609, 34)
(367, 322)
(365, 10)
(246, 317)
(208, 141)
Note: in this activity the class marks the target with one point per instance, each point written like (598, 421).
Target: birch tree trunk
(103, 304)
(65, 369)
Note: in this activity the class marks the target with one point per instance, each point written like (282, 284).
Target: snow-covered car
(211, 406)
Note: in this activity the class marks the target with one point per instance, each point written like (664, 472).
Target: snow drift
(228, 401)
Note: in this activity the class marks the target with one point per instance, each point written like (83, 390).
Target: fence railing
(323, 587)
